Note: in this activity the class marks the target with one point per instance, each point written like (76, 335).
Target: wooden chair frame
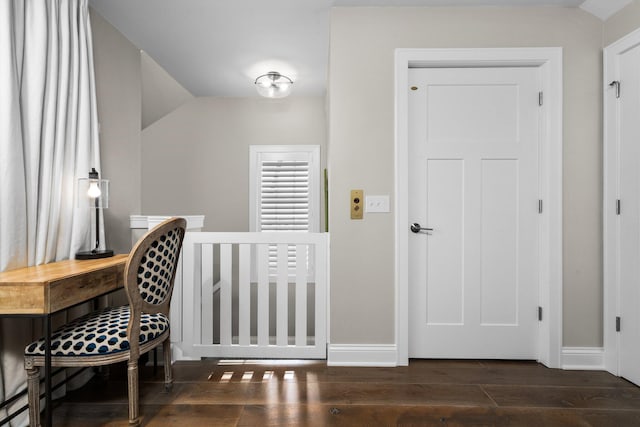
(137, 306)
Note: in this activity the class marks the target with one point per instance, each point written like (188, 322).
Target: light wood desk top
(48, 288)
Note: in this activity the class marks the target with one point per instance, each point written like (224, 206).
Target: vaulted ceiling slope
(217, 48)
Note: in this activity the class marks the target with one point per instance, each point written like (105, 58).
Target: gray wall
(195, 160)
(361, 139)
(132, 91)
(161, 93)
(117, 69)
(205, 140)
(622, 23)
(192, 160)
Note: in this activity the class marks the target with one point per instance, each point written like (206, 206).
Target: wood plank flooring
(308, 393)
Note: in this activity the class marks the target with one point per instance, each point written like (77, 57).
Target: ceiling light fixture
(273, 85)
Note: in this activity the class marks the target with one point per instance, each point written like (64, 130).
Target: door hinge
(618, 324)
(540, 99)
(618, 207)
(540, 206)
(616, 84)
(539, 314)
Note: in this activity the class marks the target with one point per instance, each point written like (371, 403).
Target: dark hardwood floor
(308, 393)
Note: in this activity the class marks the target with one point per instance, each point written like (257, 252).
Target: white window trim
(310, 153)
(255, 155)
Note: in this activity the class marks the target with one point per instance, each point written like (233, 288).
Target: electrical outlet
(375, 204)
(356, 204)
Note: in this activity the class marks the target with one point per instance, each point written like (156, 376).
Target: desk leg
(48, 410)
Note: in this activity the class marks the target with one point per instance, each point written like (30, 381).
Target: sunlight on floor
(265, 362)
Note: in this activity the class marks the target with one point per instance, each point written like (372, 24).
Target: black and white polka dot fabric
(156, 268)
(100, 333)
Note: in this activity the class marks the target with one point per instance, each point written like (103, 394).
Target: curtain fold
(48, 139)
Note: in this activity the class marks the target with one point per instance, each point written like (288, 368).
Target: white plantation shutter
(285, 193)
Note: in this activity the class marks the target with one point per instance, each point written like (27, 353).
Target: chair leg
(33, 385)
(132, 377)
(155, 361)
(168, 369)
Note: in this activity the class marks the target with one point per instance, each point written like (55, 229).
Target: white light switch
(375, 204)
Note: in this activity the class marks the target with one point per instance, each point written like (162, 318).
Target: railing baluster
(226, 269)
(206, 295)
(321, 280)
(190, 321)
(244, 295)
(282, 296)
(301, 295)
(263, 295)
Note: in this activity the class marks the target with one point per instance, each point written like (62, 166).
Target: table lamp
(96, 192)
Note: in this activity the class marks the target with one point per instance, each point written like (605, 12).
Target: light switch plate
(377, 204)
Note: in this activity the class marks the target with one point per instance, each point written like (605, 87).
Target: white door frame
(550, 62)
(610, 190)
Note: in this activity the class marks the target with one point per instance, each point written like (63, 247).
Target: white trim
(610, 192)
(178, 354)
(583, 358)
(310, 153)
(362, 355)
(550, 62)
(147, 222)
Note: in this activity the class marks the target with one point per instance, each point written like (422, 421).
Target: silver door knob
(416, 228)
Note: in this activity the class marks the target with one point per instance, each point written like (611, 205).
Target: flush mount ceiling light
(273, 85)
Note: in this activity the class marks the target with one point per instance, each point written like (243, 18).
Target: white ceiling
(218, 47)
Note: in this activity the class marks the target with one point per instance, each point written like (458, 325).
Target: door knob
(416, 228)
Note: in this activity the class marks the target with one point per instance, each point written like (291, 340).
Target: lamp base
(94, 254)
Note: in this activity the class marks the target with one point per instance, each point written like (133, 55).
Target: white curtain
(48, 139)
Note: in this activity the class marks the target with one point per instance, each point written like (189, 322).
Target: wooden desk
(45, 289)
(48, 288)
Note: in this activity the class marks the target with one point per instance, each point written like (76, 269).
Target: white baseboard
(362, 355)
(178, 354)
(583, 358)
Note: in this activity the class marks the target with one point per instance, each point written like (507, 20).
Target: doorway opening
(549, 62)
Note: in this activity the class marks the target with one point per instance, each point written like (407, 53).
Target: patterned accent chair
(104, 337)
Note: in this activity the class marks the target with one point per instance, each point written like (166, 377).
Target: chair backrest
(151, 268)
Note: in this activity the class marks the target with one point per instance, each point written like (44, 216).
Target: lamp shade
(273, 85)
(93, 191)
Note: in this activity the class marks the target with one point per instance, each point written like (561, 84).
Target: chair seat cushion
(99, 333)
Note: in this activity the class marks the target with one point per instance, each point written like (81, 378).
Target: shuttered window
(285, 193)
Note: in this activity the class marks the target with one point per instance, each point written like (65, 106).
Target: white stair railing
(239, 302)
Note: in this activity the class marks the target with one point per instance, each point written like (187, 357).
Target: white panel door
(629, 218)
(473, 179)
